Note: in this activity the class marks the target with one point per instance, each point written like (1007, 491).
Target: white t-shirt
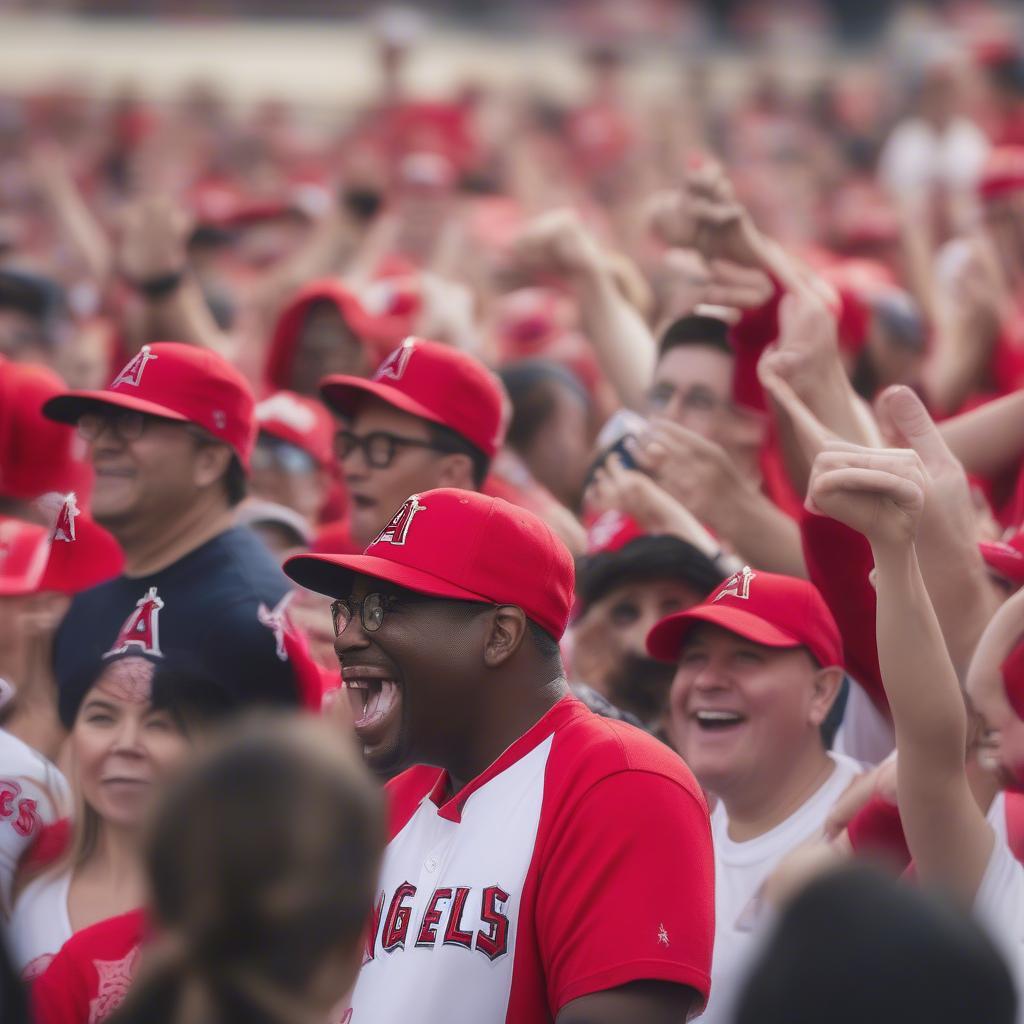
(916, 156)
(999, 904)
(33, 793)
(740, 872)
(40, 924)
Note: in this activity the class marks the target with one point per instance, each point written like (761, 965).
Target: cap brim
(331, 575)
(666, 639)
(67, 408)
(343, 394)
(1004, 559)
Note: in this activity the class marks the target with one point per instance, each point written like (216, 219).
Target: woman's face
(122, 746)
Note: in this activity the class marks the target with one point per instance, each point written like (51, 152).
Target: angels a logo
(141, 628)
(64, 528)
(397, 530)
(737, 585)
(133, 369)
(395, 365)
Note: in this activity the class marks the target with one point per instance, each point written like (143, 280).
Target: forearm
(762, 534)
(183, 315)
(924, 694)
(82, 230)
(956, 364)
(623, 343)
(989, 439)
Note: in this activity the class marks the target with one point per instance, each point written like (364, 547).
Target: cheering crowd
(497, 558)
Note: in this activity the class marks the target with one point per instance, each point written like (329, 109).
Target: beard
(641, 686)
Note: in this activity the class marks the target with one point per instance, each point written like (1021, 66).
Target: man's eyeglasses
(126, 424)
(693, 399)
(372, 609)
(272, 452)
(379, 447)
(129, 425)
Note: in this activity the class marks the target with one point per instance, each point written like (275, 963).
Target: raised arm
(881, 494)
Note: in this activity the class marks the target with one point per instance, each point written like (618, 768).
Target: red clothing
(579, 861)
(89, 978)
(839, 564)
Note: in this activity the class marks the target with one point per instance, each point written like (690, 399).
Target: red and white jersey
(579, 861)
(33, 794)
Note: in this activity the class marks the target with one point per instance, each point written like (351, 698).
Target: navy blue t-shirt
(213, 609)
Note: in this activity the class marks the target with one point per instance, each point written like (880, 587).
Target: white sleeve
(999, 908)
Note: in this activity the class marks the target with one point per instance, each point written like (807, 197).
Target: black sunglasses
(379, 447)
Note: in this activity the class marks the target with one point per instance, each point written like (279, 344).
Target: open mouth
(718, 721)
(362, 500)
(375, 701)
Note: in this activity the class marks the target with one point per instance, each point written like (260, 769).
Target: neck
(495, 732)
(117, 858)
(148, 549)
(761, 808)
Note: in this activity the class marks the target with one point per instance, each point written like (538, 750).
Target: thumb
(906, 412)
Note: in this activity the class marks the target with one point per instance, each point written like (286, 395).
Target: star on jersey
(276, 620)
(115, 978)
(662, 935)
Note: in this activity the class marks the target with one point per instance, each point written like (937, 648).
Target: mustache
(641, 684)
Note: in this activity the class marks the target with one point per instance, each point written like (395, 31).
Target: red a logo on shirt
(132, 372)
(395, 365)
(142, 627)
(397, 530)
(737, 585)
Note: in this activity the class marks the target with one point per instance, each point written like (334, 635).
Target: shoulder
(590, 748)
(405, 792)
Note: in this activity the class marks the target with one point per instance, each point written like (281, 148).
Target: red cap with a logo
(72, 556)
(460, 545)
(776, 611)
(300, 421)
(435, 382)
(176, 382)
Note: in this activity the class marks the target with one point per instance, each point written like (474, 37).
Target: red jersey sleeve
(627, 890)
(839, 564)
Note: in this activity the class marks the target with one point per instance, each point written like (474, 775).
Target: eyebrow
(99, 704)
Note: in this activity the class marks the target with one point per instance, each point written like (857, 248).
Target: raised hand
(152, 239)
(557, 244)
(880, 493)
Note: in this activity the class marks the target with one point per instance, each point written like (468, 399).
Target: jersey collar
(568, 708)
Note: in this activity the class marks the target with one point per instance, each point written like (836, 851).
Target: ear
(825, 690)
(211, 463)
(456, 470)
(506, 634)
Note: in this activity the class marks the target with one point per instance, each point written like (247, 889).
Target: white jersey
(33, 793)
(740, 873)
(40, 924)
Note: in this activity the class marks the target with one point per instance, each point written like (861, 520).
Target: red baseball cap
(776, 611)
(1005, 557)
(460, 545)
(1003, 172)
(69, 557)
(36, 454)
(177, 382)
(300, 421)
(435, 382)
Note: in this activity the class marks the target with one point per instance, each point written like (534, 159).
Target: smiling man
(544, 863)
(170, 440)
(430, 417)
(758, 669)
